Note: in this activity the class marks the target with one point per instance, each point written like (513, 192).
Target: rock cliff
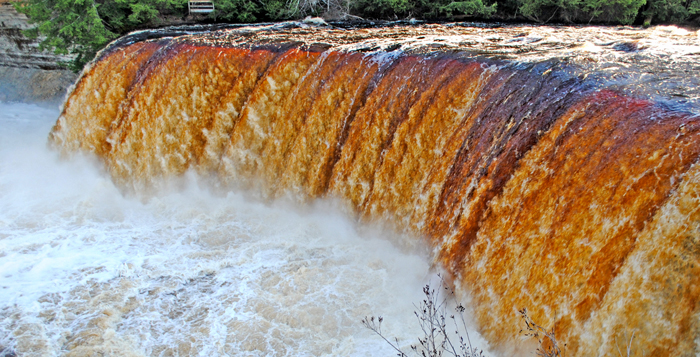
(26, 73)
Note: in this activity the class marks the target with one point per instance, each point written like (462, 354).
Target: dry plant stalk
(549, 347)
(437, 340)
(433, 318)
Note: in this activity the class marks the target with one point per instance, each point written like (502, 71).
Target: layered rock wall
(26, 73)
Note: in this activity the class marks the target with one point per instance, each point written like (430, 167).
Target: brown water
(548, 169)
(88, 271)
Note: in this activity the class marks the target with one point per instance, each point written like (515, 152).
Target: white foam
(86, 270)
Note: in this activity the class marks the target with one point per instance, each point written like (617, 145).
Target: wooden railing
(200, 6)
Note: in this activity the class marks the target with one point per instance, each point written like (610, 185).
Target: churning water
(548, 168)
(86, 270)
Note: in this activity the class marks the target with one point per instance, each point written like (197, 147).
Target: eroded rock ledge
(26, 73)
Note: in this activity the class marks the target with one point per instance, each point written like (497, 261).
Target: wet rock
(33, 84)
(633, 46)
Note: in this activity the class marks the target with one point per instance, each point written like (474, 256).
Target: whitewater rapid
(86, 270)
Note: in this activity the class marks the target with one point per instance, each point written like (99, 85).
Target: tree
(236, 10)
(615, 11)
(69, 26)
(384, 9)
(586, 11)
(428, 9)
(674, 11)
(456, 8)
(123, 16)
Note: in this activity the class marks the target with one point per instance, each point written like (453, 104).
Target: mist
(87, 270)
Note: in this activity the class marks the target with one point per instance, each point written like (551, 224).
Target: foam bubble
(86, 270)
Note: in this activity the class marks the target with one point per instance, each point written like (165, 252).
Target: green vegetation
(426, 9)
(70, 26)
(674, 11)
(83, 27)
(238, 10)
(609, 11)
(122, 16)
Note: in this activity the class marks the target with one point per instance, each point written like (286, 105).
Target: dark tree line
(83, 27)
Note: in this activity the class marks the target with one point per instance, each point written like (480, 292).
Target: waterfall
(537, 188)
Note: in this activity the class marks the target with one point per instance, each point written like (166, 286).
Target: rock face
(26, 73)
(16, 50)
(34, 85)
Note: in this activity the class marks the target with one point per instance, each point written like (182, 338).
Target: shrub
(428, 9)
(275, 9)
(296, 9)
(236, 10)
(674, 11)
(468, 8)
(127, 15)
(615, 11)
(612, 11)
(382, 9)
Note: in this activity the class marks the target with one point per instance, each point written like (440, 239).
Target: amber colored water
(536, 189)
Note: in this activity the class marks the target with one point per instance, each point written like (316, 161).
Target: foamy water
(85, 270)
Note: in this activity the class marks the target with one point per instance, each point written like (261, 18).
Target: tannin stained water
(537, 188)
(89, 271)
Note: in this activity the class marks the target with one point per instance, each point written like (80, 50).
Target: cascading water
(87, 271)
(544, 183)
